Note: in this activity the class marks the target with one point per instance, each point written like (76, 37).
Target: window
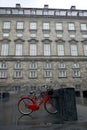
(4, 49)
(3, 74)
(47, 73)
(47, 65)
(61, 65)
(46, 49)
(18, 49)
(85, 50)
(62, 73)
(75, 65)
(20, 25)
(2, 65)
(18, 74)
(83, 27)
(58, 26)
(6, 25)
(60, 49)
(33, 26)
(5, 34)
(71, 26)
(46, 26)
(18, 65)
(76, 73)
(45, 12)
(33, 65)
(19, 35)
(32, 49)
(74, 50)
(33, 74)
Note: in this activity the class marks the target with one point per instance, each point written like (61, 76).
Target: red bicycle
(28, 104)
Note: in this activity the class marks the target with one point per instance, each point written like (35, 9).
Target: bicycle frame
(37, 104)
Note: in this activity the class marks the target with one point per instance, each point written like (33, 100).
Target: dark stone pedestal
(66, 104)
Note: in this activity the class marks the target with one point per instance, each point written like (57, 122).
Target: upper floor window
(5, 34)
(18, 49)
(4, 49)
(33, 25)
(76, 73)
(33, 35)
(47, 49)
(83, 27)
(46, 35)
(2, 66)
(62, 73)
(60, 49)
(33, 74)
(46, 26)
(71, 26)
(18, 66)
(85, 50)
(32, 49)
(61, 65)
(3, 74)
(6, 25)
(74, 50)
(47, 73)
(20, 25)
(75, 65)
(47, 65)
(59, 26)
(33, 65)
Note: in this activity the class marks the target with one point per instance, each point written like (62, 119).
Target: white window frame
(61, 65)
(62, 73)
(60, 50)
(46, 26)
(85, 50)
(71, 26)
(76, 73)
(3, 66)
(4, 49)
(3, 74)
(6, 25)
(74, 50)
(20, 25)
(47, 65)
(18, 66)
(33, 49)
(18, 49)
(33, 66)
(83, 27)
(33, 25)
(47, 73)
(47, 50)
(33, 74)
(59, 26)
(18, 74)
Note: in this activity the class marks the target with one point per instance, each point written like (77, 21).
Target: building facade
(43, 46)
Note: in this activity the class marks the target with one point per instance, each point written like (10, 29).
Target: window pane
(20, 25)
(60, 49)
(83, 27)
(32, 25)
(85, 50)
(74, 50)
(58, 26)
(4, 49)
(71, 26)
(47, 49)
(46, 26)
(32, 49)
(18, 49)
(6, 25)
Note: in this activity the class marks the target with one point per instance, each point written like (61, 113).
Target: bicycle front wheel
(49, 106)
(22, 107)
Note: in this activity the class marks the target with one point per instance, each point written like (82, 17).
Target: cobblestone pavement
(11, 119)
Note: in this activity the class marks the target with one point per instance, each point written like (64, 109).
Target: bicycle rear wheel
(49, 106)
(22, 107)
